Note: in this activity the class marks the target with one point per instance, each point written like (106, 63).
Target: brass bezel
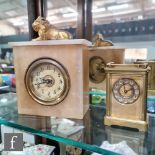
(103, 75)
(121, 95)
(65, 74)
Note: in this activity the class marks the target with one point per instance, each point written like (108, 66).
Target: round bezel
(96, 69)
(126, 90)
(40, 99)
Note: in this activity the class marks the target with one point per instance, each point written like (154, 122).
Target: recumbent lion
(46, 31)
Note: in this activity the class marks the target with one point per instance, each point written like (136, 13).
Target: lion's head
(39, 23)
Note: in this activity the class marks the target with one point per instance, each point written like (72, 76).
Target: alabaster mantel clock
(52, 77)
(126, 95)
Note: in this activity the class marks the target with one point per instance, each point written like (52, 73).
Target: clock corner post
(108, 94)
(145, 96)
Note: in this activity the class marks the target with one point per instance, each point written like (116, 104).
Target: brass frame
(130, 70)
(65, 74)
(151, 75)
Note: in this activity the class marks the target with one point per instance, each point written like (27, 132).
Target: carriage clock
(126, 95)
(51, 77)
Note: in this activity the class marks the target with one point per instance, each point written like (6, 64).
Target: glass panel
(14, 18)
(13, 27)
(87, 134)
(63, 14)
(117, 11)
(127, 23)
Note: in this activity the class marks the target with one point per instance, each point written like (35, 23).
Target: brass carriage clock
(126, 95)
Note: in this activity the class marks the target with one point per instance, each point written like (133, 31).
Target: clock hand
(129, 89)
(40, 83)
(124, 88)
(126, 91)
(48, 81)
(45, 81)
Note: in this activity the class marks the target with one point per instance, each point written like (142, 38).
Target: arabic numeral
(41, 69)
(60, 81)
(48, 67)
(38, 73)
(31, 78)
(54, 92)
(42, 91)
(38, 86)
(59, 88)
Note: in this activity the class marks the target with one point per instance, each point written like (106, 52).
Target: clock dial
(47, 81)
(126, 90)
(96, 69)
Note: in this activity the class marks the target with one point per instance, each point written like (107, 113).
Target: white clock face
(47, 81)
(126, 90)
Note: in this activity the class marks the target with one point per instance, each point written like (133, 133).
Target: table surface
(87, 134)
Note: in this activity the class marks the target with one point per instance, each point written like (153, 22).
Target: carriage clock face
(126, 90)
(96, 69)
(47, 81)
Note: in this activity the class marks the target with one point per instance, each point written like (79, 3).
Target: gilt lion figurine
(99, 41)
(46, 31)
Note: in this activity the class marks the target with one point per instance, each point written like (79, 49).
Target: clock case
(73, 55)
(129, 115)
(106, 54)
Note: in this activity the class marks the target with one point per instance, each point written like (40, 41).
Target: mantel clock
(52, 77)
(126, 95)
